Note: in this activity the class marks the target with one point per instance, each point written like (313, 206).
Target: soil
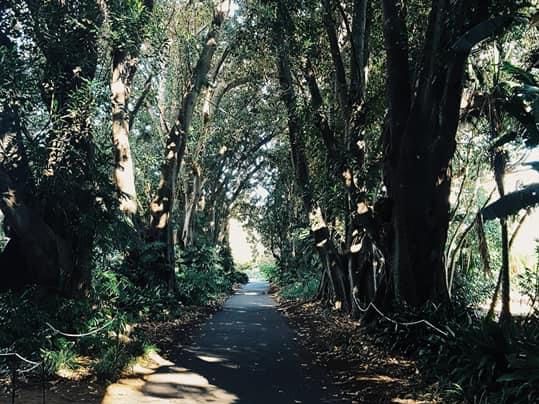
(362, 369)
(82, 386)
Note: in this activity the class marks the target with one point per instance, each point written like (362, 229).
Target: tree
(343, 136)
(423, 119)
(127, 22)
(60, 242)
(163, 205)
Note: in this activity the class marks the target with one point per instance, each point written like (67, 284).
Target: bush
(291, 286)
(528, 282)
(113, 300)
(270, 271)
(239, 277)
(61, 355)
(485, 360)
(301, 290)
(478, 360)
(121, 295)
(205, 273)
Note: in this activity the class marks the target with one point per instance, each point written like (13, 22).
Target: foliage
(528, 282)
(487, 363)
(269, 270)
(206, 273)
(301, 290)
(476, 361)
(290, 286)
(114, 300)
(472, 287)
(128, 18)
(60, 355)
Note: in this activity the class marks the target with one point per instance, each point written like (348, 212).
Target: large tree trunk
(162, 207)
(344, 139)
(329, 258)
(124, 67)
(423, 125)
(56, 248)
(191, 201)
(13, 158)
(35, 254)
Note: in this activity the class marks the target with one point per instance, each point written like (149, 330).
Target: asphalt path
(245, 354)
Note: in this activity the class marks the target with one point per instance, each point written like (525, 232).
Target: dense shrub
(206, 272)
(528, 282)
(239, 277)
(477, 361)
(485, 362)
(291, 285)
(119, 298)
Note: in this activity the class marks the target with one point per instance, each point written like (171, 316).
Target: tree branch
(511, 203)
(140, 101)
(340, 74)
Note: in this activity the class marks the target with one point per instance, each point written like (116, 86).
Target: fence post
(13, 369)
(43, 382)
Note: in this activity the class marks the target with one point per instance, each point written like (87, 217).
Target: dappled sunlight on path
(245, 354)
(164, 382)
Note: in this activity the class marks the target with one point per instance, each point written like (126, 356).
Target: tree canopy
(368, 144)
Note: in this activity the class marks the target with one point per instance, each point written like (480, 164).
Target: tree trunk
(212, 99)
(299, 160)
(423, 125)
(13, 158)
(57, 248)
(191, 202)
(123, 69)
(36, 254)
(163, 205)
(500, 162)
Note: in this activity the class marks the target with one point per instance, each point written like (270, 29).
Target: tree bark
(123, 70)
(423, 123)
(163, 205)
(329, 259)
(41, 256)
(191, 202)
(55, 250)
(212, 100)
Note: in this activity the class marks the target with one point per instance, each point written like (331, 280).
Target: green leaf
(519, 74)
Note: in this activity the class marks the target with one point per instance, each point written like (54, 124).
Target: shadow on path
(245, 354)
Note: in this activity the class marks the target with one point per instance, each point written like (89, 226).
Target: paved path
(244, 354)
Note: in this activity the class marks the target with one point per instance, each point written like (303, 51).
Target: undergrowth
(299, 285)
(477, 361)
(117, 302)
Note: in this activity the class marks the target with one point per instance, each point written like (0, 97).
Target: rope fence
(378, 259)
(4, 353)
(65, 334)
(397, 323)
